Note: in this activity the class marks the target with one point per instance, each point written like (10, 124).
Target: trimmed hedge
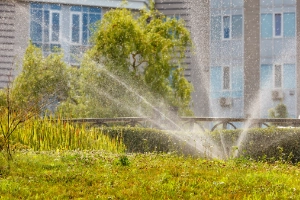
(268, 143)
(141, 140)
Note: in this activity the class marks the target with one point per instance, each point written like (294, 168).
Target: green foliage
(123, 160)
(133, 55)
(280, 111)
(2, 98)
(42, 81)
(2, 143)
(97, 93)
(140, 139)
(143, 140)
(267, 143)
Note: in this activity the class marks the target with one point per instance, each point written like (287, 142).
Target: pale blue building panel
(266, 79)
(289, 76)
(216, 26)
(237, 74)
(289, 23)
(266, 25)
(237, 26)
(216, 79)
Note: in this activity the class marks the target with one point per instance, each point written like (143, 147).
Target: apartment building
(245, 59)
(246, 55)
(49, 24)
(253, 57)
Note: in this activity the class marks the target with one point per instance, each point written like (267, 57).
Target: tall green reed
(50, 134)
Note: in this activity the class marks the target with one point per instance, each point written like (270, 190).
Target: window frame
(49, 27)
(42, 26)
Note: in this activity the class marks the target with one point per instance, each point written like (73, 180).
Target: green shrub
(269, 143)
(141, 140)
(280, 111)
(123, 161)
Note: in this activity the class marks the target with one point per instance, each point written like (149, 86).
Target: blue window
(278, 24)
(226, 27)
(55, 27)
(83, 23)
(76, 28)
(36, 5)
(85, 28)
(36, 25)
(54, 6)
(95, 10)
(278, 76)
(45, 25)
(76, 8)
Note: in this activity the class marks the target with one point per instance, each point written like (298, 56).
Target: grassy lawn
(96, 174)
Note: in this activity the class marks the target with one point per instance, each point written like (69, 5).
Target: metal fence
(190, 122)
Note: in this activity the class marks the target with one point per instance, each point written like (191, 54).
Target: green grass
(96, 174)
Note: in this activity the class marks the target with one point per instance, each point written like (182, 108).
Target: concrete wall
(22, 32)
(298, 58)
(131, 4)
(252, 57)
(200, 30)
(196, 16)
(178, 9)
(7, 41)
(14, 32)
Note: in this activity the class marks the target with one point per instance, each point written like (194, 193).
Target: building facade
(49, 24)
(245, 59)
(253, 62)
(246, 55)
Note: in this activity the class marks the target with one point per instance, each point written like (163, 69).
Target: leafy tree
(280, 111)
(144, 51)
(42, 82)
(95, 92)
